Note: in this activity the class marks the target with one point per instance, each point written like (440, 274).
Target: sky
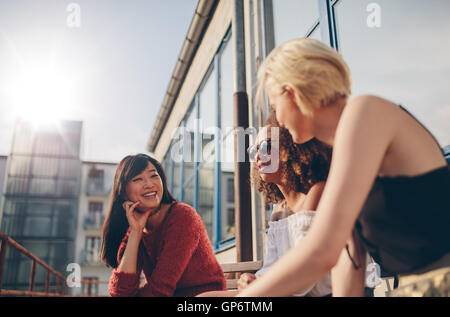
(404, 58)
(105, 62)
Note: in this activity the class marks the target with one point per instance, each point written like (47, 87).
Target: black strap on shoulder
(356, 266)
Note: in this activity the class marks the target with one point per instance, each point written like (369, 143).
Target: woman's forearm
(293, 272)
(128, 263)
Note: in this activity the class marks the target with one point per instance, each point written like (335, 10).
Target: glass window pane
(37, 226)
(24, 271)
(45, 166)
(167, 169)
(189, 144)
(69, 168)
(67, 188)
(208, 119)
(227, 105)
(226, 86)
(60, 253)
(63, 221)
(47, 143)
(45, 187)
(206, 196)
(20, 165)
(17, 185)
(39, 208)
(293, 18)
(40, 249)
(176, 180)
(405, 60)
(227, 205)
(71, 144)
(189, 193)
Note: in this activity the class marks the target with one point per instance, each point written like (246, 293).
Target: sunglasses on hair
(264, 147)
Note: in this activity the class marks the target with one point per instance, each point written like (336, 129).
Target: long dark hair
(116, 223)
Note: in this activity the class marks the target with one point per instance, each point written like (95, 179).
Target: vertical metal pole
(63, 286)
(47, 282)
(57, 284)
(197, 148)
(183, 144)
(4, 244)
(172, 169)
(89, 288)
(243, 218)
(32, 276)
(327, 23)
(217, 166)
(268, 31)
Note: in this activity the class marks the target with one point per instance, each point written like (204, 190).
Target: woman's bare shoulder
(317, 187)
(370, 103)
(370, 111)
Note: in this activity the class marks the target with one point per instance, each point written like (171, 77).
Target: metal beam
(242, 202)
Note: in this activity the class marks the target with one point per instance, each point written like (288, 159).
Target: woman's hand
(136, 220)
(245, 280)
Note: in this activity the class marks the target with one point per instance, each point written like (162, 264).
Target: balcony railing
(96, 187)
(60, 287)
(93, 221)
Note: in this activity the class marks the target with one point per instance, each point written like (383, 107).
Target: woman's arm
(362, 138)
(125, 278)
(128, 264)
(347, 277)
(313, 197)
(181, 239)
(124, 281)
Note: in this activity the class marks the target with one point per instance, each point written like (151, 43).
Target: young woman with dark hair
(147, 230)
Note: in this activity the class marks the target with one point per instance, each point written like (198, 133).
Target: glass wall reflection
(41, 197)
(294, 18)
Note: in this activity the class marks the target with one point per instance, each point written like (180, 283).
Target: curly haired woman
(291, 177)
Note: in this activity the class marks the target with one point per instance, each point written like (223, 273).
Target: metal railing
(60, 287)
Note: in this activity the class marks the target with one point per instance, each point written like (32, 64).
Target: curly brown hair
(301, 165)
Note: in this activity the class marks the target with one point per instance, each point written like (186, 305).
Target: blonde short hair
(317, 73)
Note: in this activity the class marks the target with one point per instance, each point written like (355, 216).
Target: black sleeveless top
(405, 221)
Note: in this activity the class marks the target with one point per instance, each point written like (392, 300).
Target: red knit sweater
(177, 259)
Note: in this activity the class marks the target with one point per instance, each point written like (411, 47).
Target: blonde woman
(380, 197)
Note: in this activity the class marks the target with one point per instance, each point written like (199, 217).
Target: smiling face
(290, 116)
(268, 163)
(146, 187)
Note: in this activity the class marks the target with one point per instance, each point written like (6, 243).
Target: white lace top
(285, 234)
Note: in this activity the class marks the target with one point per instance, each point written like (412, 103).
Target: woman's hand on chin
(136, 219)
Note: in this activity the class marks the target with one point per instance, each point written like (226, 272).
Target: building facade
(40, 198)
(395, 49)
(96, 185)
